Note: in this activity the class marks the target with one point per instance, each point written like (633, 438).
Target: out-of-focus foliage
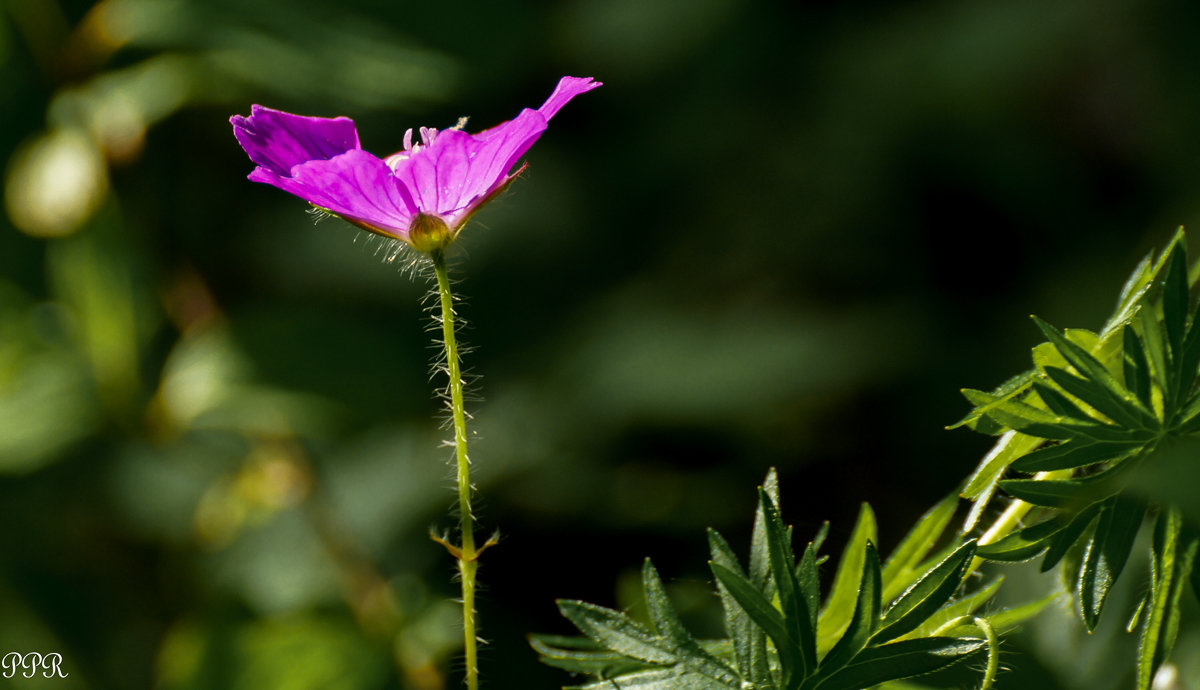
(782, 234)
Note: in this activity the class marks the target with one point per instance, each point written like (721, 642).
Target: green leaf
(581, 655)
(1060, 404)
(761, 611)
(1063, 493)
(1157, 633)
(793, 600)
(1025, 543)
(1072, 454)
(864, 620)
(1107, 553)
(1061, 542)
(616, 631)
(1014, 387)
(898, 572)
(960, 607)
(1154, 342)
(928, 595)
(1089, 391)
(1175, 299)
(687, 650)
(839, 607)
(1119, 400)
(760, 558)
(656, 679)
(1008, 619)
(1137, 369)
(1190, 360)
(1007, 449)
(748, 639)
(903, 659)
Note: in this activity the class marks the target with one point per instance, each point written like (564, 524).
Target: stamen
(408, 139)
(462, 122)
(427, 135)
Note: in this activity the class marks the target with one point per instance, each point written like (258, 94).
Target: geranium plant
(1083, 437)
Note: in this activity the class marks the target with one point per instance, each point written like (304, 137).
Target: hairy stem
(466, 553)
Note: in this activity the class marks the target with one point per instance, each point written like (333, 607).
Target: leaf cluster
(1095, 412)
(880, 621)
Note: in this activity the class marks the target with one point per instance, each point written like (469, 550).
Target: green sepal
(925, 597)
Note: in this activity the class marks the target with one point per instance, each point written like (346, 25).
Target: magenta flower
(423, 194)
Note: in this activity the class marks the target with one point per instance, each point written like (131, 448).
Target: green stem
(466, 553)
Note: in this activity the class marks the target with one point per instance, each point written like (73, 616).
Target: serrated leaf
(616, 631)
(928, 595)
(810, 583)
(656, 679)
(1072, 454)
(760, 558)
(864, 620)
(903, 659)
(762, 612)
(748, 639)
(897, 572)
(1107, 553)
(839, 606)
(1025, 543)
(569, 655)
(686, 649)
(792, 598)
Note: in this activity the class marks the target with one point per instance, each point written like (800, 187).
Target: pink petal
(279, 141)
(567, 88)
(354, 185)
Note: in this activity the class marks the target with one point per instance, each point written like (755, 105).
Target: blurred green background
(782, 234)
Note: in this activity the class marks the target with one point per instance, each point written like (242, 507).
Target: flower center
(428, 233)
